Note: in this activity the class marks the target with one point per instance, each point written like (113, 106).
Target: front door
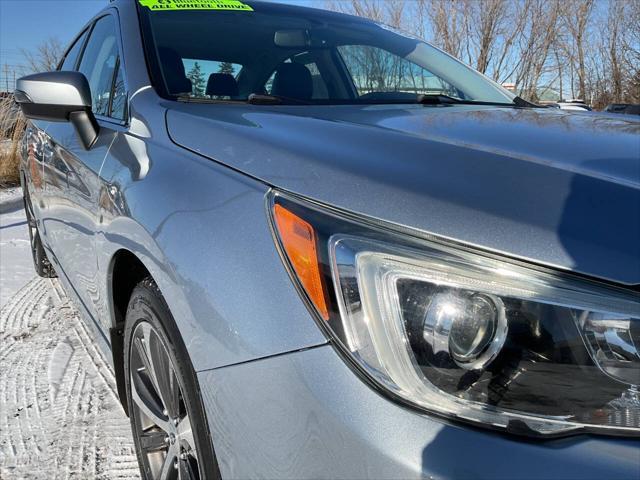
(73, 181)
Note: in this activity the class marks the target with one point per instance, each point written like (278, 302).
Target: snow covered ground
(16, 267)
(59, 414)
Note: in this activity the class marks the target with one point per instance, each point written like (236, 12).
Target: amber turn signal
(299, 241)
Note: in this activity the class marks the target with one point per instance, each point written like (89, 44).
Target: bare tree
(631, 41)
(508, 48)
(613, 67)
(614, 21)
(448, 20)
(372, 9)
(576, 15)
(535, 46)
(593, 48)
(629, 45)
(489, 16)
(46, 55)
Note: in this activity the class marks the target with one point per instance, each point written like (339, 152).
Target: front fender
(202, 233)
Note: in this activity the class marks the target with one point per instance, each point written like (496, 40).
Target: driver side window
(101, 65)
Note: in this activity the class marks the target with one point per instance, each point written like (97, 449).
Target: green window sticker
(160, 5)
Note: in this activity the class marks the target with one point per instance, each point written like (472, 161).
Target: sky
(25, 24)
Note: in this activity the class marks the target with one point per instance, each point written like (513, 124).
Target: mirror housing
(59, 97)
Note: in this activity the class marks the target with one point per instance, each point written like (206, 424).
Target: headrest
(173, 69)
(293, 80)
(222, 85)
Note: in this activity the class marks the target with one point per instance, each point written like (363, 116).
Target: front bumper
(307, 415)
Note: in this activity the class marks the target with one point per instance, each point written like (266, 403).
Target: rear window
(319, 87)
(198, 71)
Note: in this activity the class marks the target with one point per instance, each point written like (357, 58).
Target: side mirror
(59, 97)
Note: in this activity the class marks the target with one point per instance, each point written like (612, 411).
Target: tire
(168, 422)
(41, 262)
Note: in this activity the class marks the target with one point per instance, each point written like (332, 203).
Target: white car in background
(575, 105)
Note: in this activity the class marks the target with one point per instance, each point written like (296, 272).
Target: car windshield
(273, 53)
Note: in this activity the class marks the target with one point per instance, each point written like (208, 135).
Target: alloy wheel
(163, 426)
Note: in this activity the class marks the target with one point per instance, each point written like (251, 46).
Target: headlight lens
(471, 328)
(475, 338)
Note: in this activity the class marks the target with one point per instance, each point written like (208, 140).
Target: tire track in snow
(59, 414)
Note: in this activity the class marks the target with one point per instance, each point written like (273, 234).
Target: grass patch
(12, 124)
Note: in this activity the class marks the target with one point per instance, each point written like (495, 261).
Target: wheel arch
(126, 271)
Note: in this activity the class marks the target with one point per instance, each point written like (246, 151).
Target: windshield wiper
(440, 99)
(185, 98)
(254, 99)
(521, 102)
(264, 99)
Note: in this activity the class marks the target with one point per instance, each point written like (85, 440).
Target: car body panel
(306, 415)
(198, 273)
(71, 193)
(195, 226)
(538, 184)
(183, 188)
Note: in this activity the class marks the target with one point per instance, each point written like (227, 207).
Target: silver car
(316, 247)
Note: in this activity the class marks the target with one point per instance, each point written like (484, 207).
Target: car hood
(557, 188)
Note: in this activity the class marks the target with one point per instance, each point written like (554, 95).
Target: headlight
(464, 334)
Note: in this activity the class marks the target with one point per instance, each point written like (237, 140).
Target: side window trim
(114, 77)
(120, 64)
(87, 29)
(84, 45)
(125, 112)
(112, 121)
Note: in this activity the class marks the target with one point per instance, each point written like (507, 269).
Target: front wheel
(167, 418)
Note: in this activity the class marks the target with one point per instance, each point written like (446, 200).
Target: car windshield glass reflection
(315, 57)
